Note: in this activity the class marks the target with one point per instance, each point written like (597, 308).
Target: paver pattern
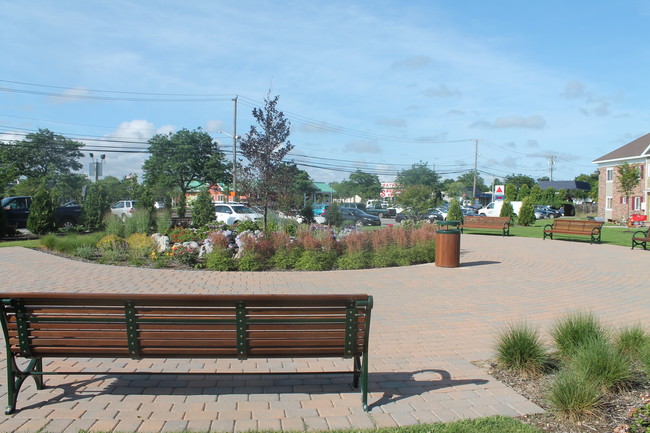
(429, 324)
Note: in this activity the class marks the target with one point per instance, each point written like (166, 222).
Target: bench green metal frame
(641, 238)
(39, 325)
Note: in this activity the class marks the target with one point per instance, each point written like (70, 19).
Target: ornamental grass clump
(574, 330)
(631, 340)
(139, 222)
(113, 225)
(519, 348)
(598, 361)
(574, 397)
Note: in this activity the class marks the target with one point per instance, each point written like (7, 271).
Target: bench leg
(16, 377)
(364, 382)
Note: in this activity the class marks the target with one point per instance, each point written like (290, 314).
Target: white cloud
(68, 95)
(363, 146)
(531, 122)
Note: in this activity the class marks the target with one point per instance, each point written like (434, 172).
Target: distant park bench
(485, 222)
(591, 228)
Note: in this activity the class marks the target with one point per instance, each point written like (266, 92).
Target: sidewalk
(429, 324)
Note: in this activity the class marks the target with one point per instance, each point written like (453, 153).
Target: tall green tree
(536, 194)
(291, 195)
(265, 146)
(42, 213)
(467, 179)
(519, 179)
(96, 206)
(203, 209)
(365, 185)
(417, 199)
(526, 215)
(511, 192)
(418, 174)
(627, 180)
(178, 159)
(592, 179)
(42, 153)
(524, 192)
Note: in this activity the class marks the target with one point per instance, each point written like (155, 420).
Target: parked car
(17, 211)
(319, 208)
(234, 213)
(543, 212)
(123, 209)
(429, 216)
(159, 205)
(358, 217)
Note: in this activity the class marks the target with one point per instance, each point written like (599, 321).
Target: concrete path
(429, 323)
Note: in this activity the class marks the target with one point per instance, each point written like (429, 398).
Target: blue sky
(370, 85)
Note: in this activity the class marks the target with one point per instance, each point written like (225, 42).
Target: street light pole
(234, 149)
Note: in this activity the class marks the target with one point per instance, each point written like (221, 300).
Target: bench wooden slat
(488, 223)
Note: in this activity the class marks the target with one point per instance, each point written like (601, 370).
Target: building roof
(323, 188)
(569, 185)
(634, 149)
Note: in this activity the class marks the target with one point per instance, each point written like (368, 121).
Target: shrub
(333, 215)
(111, 243)
(220, 260)
(113, 225)
(251, 261)
(97, 204)
(286, 258)
(42, 213)
(454, 213)
(184, 254)
(519, 348)
(574, 397)
(574, 330)
(139, 222)
(526, 213)
(203, 209)
(111, 256)
(48, 241)
(85, 252)
(353, 260)
(311, 260)
(140, 245)
(307, 214)
(180, 235)
(356, 241)
(385, 257)
(599, 362)
(248, 225)
(508, 211)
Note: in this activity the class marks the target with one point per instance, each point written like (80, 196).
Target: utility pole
(551, 163)
(475, 167)
(234, 149)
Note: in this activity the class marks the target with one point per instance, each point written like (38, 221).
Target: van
(493, 209)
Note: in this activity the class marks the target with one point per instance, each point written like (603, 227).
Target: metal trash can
(448, 248)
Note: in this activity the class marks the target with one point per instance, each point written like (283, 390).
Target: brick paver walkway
(429, 323)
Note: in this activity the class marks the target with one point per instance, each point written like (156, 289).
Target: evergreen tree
(42, 213)
(333, 215)
(454, 213)
(524, 192)
(508, 211)
(307, 214)
(97, 204)
(203, 209)
(511, 192)
(526, 213)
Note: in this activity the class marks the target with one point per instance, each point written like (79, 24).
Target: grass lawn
(31, 243)
(612, 234)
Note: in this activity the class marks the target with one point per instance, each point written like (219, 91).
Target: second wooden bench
(484, 222)
(589, 228)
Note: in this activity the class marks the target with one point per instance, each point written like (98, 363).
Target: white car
(233, 213)
(123, 209)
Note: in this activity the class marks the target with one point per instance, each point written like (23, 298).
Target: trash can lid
(448, 232)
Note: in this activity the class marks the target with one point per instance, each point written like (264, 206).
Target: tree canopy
(627, 181)
(418, 174)
(365, 185)
(178, 159)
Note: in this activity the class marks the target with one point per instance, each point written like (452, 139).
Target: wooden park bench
(590, 228)
(641, 238)
(138, 326)
(485, 222)
(181, 221)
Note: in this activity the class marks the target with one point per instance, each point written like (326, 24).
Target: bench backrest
(576, 225)
(185, 326)
(484, 220)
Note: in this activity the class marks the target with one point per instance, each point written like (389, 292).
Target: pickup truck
(381, 211)
(17, 211)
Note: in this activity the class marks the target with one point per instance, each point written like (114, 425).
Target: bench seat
(485, 222)
(640, 238)
(138, 326)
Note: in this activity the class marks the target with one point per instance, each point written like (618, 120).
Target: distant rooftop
(569, 185)
(633, 149)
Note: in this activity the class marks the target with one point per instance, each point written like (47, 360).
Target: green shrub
(48, 241)
(220, 260)
(599, 362)
(42, 213)
(311, 260)
(286, 258)
(454, 213)
(508, 211)
(111, 243)
(140, 245)
(574, 397)
(86, 252)
(112, 256)
(139, 222)
(519, 348)
(630, 341)
(113, 225)
(574, 330)
(333, 215)
(203, 209)
(248, 225)
(185, 254)
(353, 260)
(97, 205)
(526, 215)
(385, 257)
(422, 252)
(251, 261)
(307, 214)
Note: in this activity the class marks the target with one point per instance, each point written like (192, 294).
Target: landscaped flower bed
(245, 248)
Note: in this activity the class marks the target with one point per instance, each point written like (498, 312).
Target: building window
(608, 203)
(636, 203)
(623, 200)
(610, 175)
